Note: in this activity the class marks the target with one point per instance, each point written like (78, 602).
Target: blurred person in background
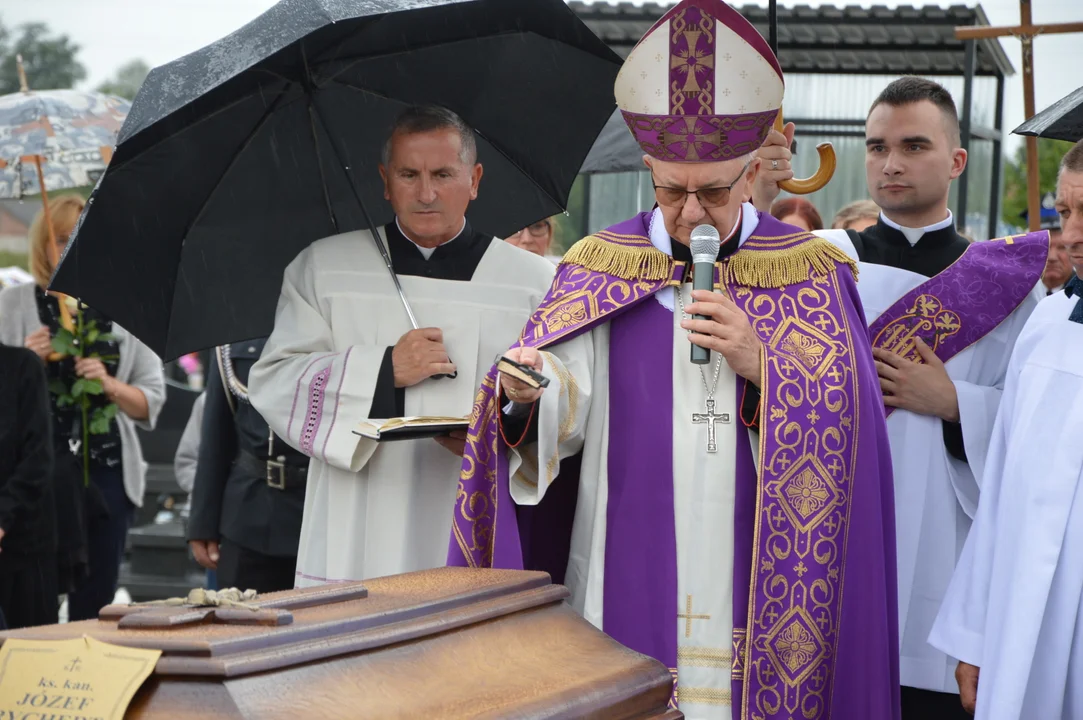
(99, 500)
(857, 216)
(28, 589)
(536, 238)
(248, 492)
(798, 212)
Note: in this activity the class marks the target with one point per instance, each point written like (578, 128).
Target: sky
(112, 32)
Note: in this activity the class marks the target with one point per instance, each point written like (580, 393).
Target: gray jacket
(138, 366)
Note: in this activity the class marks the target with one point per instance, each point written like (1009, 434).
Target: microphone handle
(702, 279)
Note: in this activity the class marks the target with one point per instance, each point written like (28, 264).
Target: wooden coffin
(446, 643)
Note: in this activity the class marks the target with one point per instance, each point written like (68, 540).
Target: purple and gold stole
(813, 526)
(966, 301)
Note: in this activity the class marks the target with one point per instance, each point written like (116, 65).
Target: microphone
(704, 243)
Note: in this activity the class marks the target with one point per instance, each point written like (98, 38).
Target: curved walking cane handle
(822, 175)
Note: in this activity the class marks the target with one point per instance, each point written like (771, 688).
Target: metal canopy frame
(879, 40)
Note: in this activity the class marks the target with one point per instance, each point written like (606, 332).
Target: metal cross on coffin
(709, 418)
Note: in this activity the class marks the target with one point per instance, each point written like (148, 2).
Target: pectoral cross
(710, 418)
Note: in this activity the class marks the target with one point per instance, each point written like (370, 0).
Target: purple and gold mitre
(701, 86)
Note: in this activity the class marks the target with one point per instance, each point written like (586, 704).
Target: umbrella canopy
(236, 157)
(1063, 120)
(615, 150)
(68, 129)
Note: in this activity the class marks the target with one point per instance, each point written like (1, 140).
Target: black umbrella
(615, 150)
(1063, 120)
(236, 157)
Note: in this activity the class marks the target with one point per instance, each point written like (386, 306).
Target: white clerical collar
(749, 220)
(427, 251)
(914, 234)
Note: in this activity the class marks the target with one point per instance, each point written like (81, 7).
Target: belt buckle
(278, 483)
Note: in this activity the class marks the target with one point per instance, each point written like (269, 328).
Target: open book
(410, 428)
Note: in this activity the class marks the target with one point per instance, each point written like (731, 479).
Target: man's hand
(967, 677)
(775, 166)
(726, 331)
(40, 342)
(205, 552)
(923, 388)
(418, 355)
(454, 442)
(516, 390)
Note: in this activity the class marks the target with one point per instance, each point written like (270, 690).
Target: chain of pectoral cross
(708, 418)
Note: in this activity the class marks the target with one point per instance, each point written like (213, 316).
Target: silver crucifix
(709, 418)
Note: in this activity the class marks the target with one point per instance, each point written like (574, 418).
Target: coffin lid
(316, 623)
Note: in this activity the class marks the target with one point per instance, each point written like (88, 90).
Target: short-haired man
(1013, 613)
(343, 351)
(943, 314)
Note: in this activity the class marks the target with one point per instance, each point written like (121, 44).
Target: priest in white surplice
(342, 351)
(749, 549)
(1014, 608)
(965, 303)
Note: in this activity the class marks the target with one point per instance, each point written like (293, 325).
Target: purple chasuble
(814, 605)
(966, 301)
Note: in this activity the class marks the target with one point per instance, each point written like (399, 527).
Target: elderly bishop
(747, 545)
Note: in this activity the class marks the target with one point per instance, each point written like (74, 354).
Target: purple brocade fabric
(958, 307)
(815, 612)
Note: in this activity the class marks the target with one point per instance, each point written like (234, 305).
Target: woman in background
(534, 238)
(798, 212)
(856, 216)
(131, 379)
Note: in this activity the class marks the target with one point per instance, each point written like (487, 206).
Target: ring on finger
(774, 164)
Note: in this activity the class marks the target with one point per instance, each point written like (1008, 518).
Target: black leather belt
(279, 475)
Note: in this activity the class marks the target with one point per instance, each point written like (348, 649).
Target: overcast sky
(112, 32)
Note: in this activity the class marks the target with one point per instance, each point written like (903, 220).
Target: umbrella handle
(823, 173)
(54, 257)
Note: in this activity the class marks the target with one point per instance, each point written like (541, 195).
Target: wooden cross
(1026, 31)
(688, 616)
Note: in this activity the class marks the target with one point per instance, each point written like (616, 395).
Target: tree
(50, 62)
(125, 83)
(1050, 153)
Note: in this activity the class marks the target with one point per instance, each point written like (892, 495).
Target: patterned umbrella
(73, 133)
(55, 140)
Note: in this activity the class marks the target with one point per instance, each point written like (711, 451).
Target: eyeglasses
(538, 229)
(709, 197)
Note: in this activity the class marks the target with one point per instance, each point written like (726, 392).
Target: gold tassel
(628, 263)
(789, 266)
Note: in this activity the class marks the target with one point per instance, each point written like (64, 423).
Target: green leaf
(58, 387)
(65, 401)
(64, 342)
(99, 425)
(92, 335)
(110, 410)
(83, 386)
